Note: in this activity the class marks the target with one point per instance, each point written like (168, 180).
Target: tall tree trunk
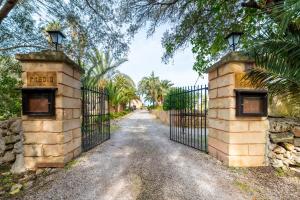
(6, 8)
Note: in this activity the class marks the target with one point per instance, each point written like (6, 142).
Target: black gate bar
(188, 123)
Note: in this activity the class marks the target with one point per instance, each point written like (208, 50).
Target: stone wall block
(248, 138)
(247, 161)
(66, 102)
(213, 84)
(238, 149)
(43, 138)
(77, 75)
(69, 147)
(212, 113)
(227, 91)
(18, 147)
(257, 149)
(219, 145)
(68, 136)
(16, 127)
(213, 93)
(43, 67)
(238, 126)
(32, 126)
(77, 93)
(71, 124)
(297, 142)
(68, 70)
(76, 113)
(258, 125)
(227, 114)
(33, 150)
(226, 80)
(64, 90)
(76, 133)
(236, 67)
(8, 157)
(212, 74)
(282, 137)
(296, 131)
(77, 152)
(53, 150)
(53, 126)
(68, 80)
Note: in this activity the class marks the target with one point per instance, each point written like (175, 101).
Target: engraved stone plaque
(41, 79)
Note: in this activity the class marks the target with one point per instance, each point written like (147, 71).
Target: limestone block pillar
(52, 141)
(236, 141)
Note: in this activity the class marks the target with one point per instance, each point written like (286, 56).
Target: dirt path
(140, 162)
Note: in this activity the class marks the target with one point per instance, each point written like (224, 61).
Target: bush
(10, 81)
(115, 115)
(178, 99)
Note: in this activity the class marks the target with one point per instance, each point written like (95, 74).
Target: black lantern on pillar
(56, 38)
(233, 39)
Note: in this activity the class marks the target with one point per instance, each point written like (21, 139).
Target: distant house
(138, 104)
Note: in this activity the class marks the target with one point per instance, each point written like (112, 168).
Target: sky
(145, 56)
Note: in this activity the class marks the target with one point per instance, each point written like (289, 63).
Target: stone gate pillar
(51, 124)
(237, 141)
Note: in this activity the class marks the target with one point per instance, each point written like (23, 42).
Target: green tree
(121, 90)
(277, 55)
(87, 25)
(201, 23)
(10, 82)
(154, 89)
(102, 67)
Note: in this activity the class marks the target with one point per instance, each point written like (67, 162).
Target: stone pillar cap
(234, 56)
(49, 56)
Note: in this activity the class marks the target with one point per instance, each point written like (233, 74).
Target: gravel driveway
(140, 162)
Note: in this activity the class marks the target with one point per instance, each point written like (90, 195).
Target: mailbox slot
(38, 101)
(252, 103)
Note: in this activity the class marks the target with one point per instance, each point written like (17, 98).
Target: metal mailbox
(38, 101)
(251, 103)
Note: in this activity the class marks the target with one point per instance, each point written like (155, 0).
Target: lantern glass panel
(236, 38)
(59, 38)
(230, 40)
(53, 37)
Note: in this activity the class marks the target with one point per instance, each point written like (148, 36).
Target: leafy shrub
(115, 115)
(10, 81)
(178, 99)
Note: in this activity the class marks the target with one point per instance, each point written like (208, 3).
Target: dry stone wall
(284, 143)
(164, 116)
(11, 144)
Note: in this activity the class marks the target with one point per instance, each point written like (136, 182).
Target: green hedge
(10, 81)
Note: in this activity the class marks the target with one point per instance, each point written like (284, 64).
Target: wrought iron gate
(95, 117)
(188, 123)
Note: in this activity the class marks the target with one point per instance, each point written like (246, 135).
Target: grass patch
(116, 115)
(71, 164)
(239, 170)
(6, 180)
(243, 187)
(280, 172)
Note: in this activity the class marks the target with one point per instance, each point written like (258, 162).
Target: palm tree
(121, 91)
(102, 68)
(165, 86)
(277, 54)
(153, 88)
